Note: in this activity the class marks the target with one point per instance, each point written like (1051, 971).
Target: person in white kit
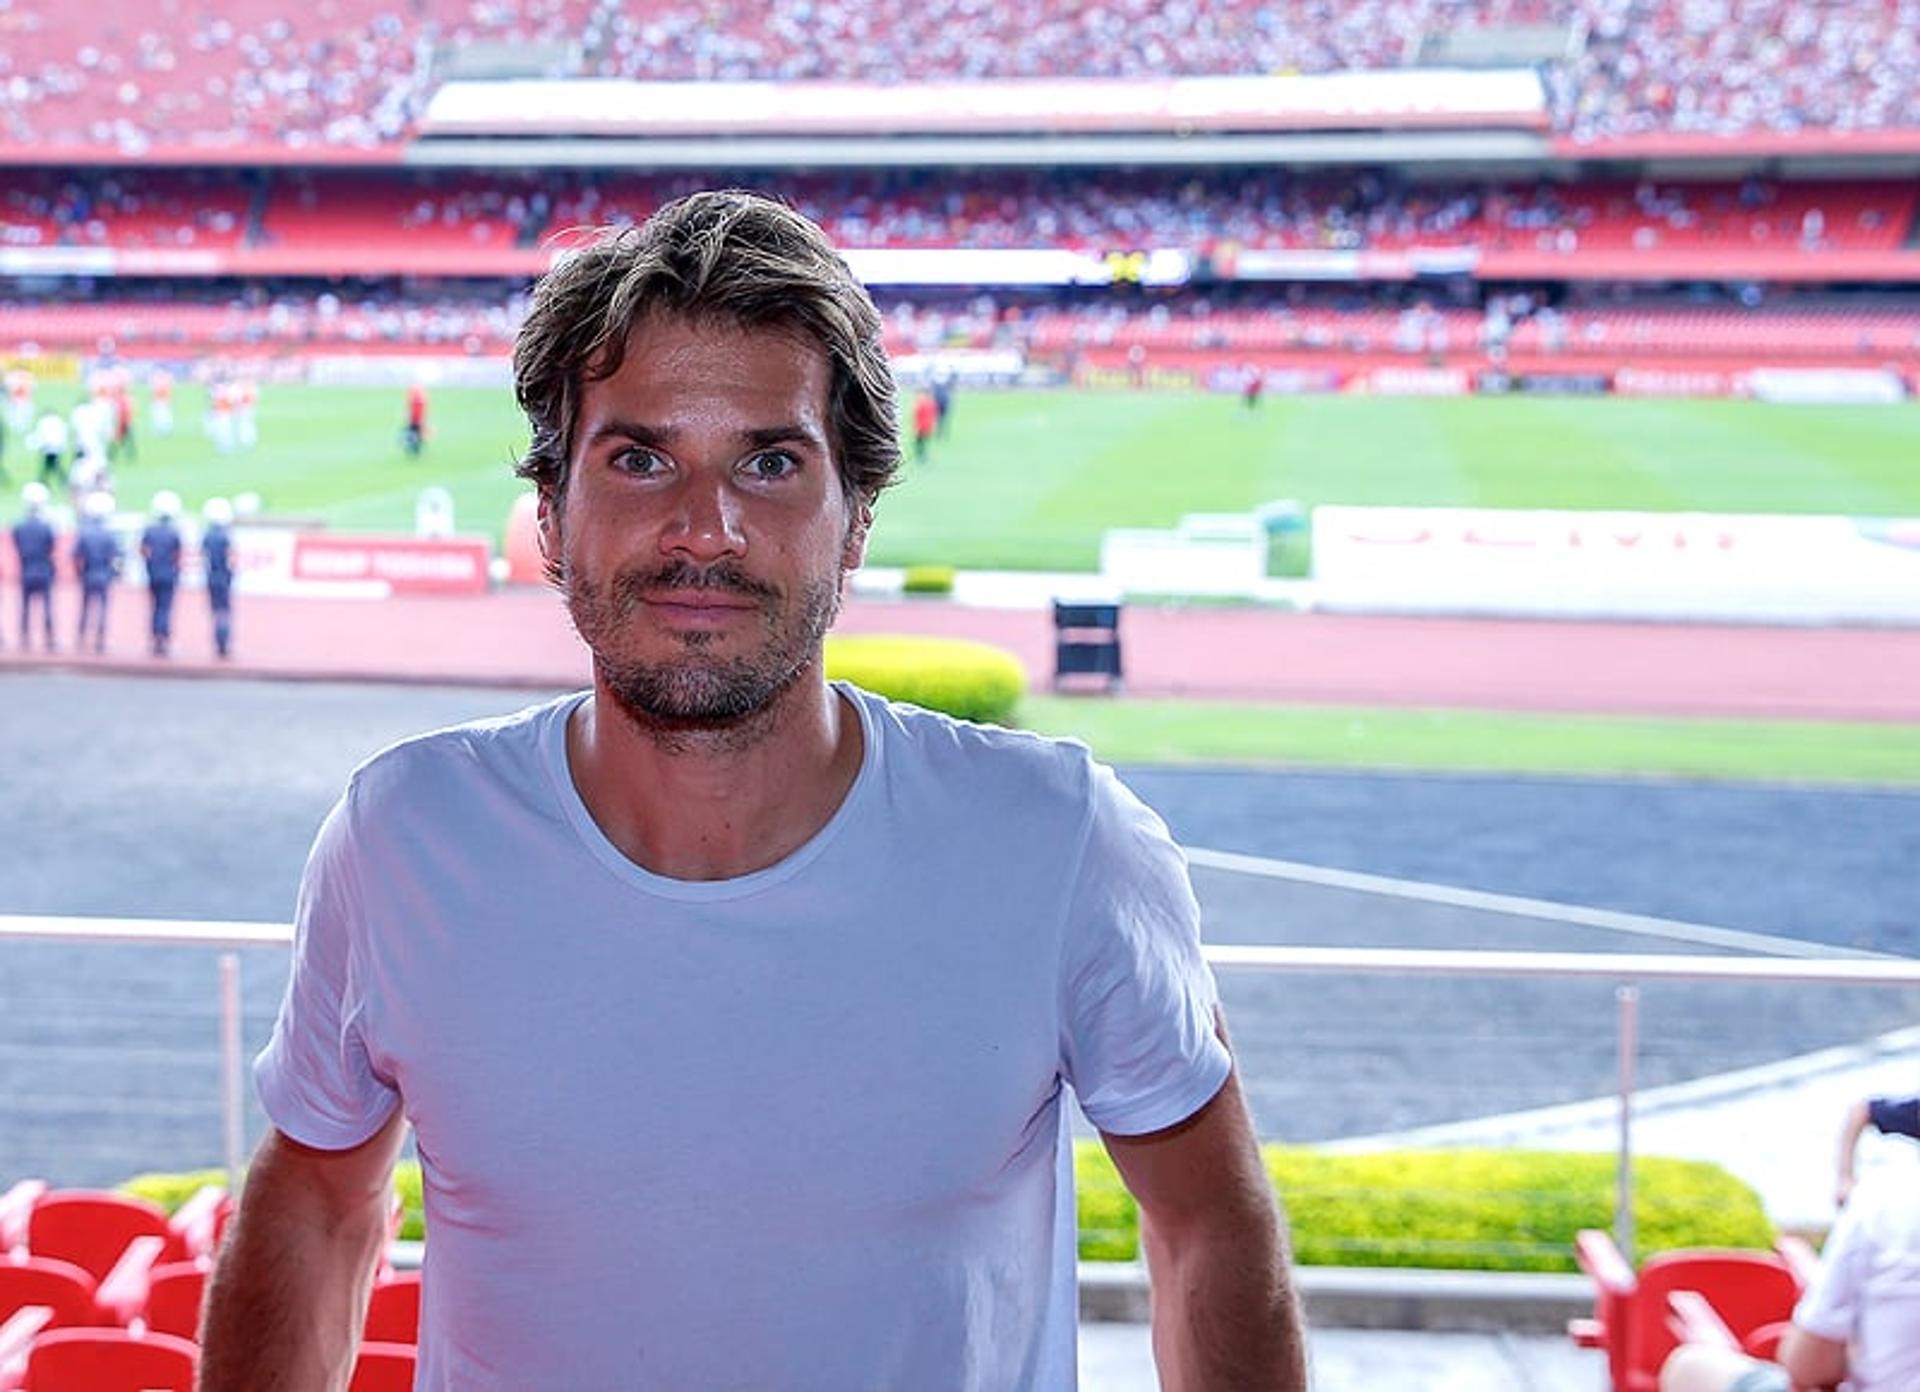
(733, 1010)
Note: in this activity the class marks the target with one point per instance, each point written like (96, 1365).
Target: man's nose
(706, 524)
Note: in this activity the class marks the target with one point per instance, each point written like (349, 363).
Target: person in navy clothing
(216, 554)
(96, 559)
(33, 541)
(160, 552)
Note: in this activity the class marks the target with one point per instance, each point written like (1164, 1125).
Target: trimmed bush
(172, 1190)
(1482, 1210)
(973, 681)
(928, 579)
(1479, 1210)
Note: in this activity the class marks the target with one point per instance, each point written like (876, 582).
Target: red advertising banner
(406, 565)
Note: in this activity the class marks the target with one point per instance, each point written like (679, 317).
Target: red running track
(520, 637)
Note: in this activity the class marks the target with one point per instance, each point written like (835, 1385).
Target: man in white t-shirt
(733, 1011)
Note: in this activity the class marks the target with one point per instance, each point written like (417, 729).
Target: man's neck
(716, 804)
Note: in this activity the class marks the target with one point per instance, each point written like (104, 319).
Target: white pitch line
(1666, 929)
(1843, 1061)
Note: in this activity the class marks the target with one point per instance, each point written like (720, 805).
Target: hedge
(927, 580)
(973, 681)
(172, 1190)
(1483, 1210)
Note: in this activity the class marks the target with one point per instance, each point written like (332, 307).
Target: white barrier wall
(1629, 565)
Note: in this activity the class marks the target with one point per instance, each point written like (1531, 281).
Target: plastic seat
(93, 1229)
(16, 1206)
(393, 1314)
(110, 1360)
(17, 1333)
(1764, 1342)
(382, 1368)
(1632, 1316)
(60, 1286)
(174, 1296)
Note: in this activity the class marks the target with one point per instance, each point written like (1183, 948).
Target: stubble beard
(701, 697)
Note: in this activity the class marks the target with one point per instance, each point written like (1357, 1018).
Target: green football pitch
(1030, 480)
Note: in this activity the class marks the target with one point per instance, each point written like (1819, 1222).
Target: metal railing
(1627, 971)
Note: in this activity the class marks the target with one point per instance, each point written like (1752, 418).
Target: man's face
(703, 537)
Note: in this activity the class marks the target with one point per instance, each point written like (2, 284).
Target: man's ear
(854, 554)
(547, 534)
(547, 516)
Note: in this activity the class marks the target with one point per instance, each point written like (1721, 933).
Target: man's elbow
(1812, 1361)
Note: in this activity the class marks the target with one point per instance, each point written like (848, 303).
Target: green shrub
(172, 1190)
(928, 579)
(1481, 1210)
(972, 681)
(1485, 1210)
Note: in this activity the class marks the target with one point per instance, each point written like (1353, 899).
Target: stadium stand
(475, 223)
(355, 74)
(281, 224)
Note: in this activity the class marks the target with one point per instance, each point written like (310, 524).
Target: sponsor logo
(1660, 381)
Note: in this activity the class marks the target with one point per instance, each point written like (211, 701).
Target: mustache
(632, 587)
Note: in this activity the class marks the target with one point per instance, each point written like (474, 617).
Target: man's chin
(693, 701)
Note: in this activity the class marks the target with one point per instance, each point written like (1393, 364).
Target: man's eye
(772, 464)
(638, 461)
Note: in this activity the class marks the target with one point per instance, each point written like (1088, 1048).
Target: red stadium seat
(17, 1333)
(1633, 1317)
(16, 1206)
(393, 1314)
(174, 1296)
(62, 1288)
(92, 1229)
(110, 1360)
(383, 1368)
(1764, 1342)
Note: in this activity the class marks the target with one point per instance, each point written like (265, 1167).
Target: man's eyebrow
(767, 435)
(760, 437)
(630, 430)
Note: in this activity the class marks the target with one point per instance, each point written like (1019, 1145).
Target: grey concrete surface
(1118, 1358)
(180, 798)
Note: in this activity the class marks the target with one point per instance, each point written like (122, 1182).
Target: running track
(520, 637)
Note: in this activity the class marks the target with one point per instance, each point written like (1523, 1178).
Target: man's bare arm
(1224, 1309)
(1850, 1133)
(289, 1296)
(1812, 1362)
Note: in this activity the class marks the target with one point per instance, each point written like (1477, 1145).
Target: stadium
(1488, 427)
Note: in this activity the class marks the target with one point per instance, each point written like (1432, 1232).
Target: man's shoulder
(969, 757)
(455, 759)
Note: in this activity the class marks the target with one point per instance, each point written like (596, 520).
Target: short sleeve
(1138, 1042)
(315, 1078)
(1895, 1116)
(1831, 1305)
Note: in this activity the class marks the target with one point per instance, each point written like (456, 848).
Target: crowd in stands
(481, 319)
(1724, 66)
(121, 208)
(358, 73)
(1199, 211)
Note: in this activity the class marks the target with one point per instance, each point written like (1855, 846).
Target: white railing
(1627, 970)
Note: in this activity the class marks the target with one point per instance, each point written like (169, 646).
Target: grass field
(1514, 742)
(1031, 480)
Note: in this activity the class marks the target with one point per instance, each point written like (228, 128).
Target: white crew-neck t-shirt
(802, 1129)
